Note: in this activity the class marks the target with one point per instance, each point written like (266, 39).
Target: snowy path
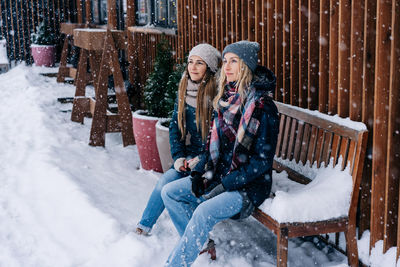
(64, 203)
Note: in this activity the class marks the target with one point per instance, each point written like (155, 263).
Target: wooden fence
(338, 57)
(19, 18)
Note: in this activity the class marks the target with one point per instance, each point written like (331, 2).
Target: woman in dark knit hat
(191, 117)
(234, 174)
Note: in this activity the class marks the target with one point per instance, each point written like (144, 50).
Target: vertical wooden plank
(293, 130)
(244, 15)
(382, 72)
(303, 55)
(88, 11)
(325, 156)
(217, 26)
(344, 55)
(333, 56)
(222, 26)
(286, 137)
(203, 13)
(335, 149)
(21, 30)
(130, 13)
(213, 23)
(14, 30)
(393, 157)
(263, 29)
(286, 51)
(258, 24)
(237, 19)
(271, 35)
(207, 36)
(356, 59)
(228, 22)
(351, 155)
(280, 135)
(323, 93)
(294, 52)
(112, 14)
(368, 106)
(319, 147)
(278, 50)
(79, 10)
(304, 144)
(312, 145)
(299, 140)
(344, 144)
(313, 54)
(251, 20)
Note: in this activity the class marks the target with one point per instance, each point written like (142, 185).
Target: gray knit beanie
(208, 53)
(246, 51)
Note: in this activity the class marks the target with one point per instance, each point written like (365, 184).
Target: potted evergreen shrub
(43, 45)
(158, 103)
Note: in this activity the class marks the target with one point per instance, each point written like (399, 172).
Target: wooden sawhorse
(100, 47)
(64, 71)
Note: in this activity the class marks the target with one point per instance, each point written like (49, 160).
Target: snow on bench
(310, 198)
(326, 197)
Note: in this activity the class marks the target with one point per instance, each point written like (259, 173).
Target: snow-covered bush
(44, 35)
(162, 85)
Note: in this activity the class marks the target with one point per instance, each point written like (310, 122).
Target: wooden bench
(312, 138)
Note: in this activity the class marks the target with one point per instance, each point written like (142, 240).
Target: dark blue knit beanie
(246, 51)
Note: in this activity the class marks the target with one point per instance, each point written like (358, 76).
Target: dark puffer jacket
(255, 176)
(179, 148)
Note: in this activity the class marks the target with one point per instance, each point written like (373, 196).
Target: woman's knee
(169, 176)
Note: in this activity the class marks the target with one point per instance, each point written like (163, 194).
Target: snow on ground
(65, 203)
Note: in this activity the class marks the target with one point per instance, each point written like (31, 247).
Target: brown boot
(210, 249)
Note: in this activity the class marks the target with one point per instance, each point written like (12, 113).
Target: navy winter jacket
(255, 176)
(179, 148)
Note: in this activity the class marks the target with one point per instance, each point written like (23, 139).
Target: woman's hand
(181, 165)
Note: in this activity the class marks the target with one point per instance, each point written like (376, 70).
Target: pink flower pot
(144, 129)
(44, 55)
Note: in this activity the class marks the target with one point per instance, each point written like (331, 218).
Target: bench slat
(285, 138)
(304, 144)
(331, 126)
(312, 144)
(351, 154)
(327, 148)
(299, 140)
(292, 139)
(319, 147)
(343, 152)
(280, 136)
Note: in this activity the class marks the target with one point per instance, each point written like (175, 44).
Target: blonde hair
(206, 92)
(242, 84)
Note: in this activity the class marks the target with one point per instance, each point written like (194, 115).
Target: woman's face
(231, 67)
(197, 68)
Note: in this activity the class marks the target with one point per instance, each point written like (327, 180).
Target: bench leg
(351, 246)
(282, 248)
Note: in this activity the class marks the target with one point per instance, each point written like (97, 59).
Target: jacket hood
(264, 81)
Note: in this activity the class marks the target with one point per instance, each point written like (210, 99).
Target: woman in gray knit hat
(234, 174)
(190, 121)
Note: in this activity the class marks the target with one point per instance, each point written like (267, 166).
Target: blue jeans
(195, 217)
(155, 205)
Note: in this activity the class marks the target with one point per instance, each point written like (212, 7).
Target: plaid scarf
(229, 106)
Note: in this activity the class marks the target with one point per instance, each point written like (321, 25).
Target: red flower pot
(144, 129)
(44, 55)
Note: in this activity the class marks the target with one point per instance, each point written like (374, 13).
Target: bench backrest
(310, 137)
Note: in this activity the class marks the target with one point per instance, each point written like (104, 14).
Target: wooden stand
(100, 47)
(64, 71)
